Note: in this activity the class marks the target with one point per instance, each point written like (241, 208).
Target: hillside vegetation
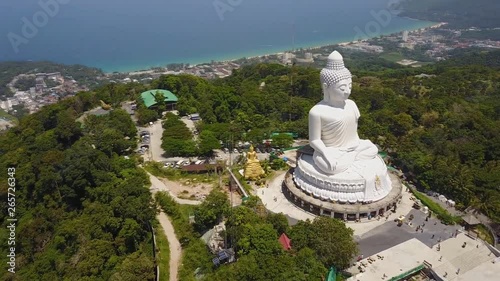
(84, 210)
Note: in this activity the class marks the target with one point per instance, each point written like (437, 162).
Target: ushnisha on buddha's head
(336, 80)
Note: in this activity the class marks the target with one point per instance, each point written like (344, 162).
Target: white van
(198, 162)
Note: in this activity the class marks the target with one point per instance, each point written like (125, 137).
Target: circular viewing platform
(343, 211)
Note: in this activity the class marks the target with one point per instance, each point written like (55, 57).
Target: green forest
(84, 209)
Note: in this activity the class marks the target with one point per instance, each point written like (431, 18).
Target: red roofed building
(285, 242)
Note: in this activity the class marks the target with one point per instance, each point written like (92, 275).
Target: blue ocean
(125, 35)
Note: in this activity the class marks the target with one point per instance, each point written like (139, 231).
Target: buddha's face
(338, 92)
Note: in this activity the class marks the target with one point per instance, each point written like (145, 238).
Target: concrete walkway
(281, 204)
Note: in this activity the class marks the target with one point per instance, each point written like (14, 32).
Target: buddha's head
(251, 149)
(336, 79)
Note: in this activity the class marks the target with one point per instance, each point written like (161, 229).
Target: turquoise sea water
(124, 35)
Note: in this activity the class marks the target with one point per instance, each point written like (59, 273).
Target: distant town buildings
(41, 94)
(439, 40)
(364, 47)
(287, 58)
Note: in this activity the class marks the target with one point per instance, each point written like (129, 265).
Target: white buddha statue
(343, 167)
(333, 122)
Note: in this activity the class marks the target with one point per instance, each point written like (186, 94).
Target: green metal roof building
(149, 97)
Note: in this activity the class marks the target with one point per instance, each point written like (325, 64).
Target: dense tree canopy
(177, 139)
(212, 210)
(83, 210)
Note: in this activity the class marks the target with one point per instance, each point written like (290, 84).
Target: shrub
(442, 214)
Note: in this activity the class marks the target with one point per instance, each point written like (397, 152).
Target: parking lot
(145, 142)
(150, 148)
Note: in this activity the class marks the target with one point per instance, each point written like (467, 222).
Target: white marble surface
(365, 181)
(343, 167)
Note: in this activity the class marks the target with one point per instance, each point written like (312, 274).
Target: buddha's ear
(325, 94)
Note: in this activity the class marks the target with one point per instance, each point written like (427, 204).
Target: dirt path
(158, 185)
(173, 243)
(168, 228)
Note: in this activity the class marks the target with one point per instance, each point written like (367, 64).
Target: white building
(287, 58)
(405, 36)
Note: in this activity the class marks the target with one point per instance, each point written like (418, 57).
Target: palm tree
(487, 203)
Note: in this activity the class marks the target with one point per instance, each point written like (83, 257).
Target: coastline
(313, 46)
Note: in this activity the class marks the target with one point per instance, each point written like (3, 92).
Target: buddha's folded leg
(366, 150)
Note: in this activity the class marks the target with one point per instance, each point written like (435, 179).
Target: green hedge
(163, 253)
(441, 213)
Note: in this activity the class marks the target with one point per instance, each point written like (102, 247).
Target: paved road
(156, 131)
(389, 234)
(173, 244)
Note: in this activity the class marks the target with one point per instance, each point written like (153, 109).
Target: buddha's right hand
(332, 163)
